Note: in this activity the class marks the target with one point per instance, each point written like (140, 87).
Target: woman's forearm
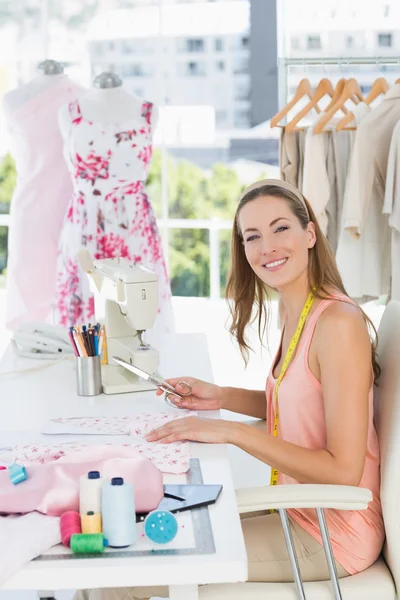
(247, 402)
(303, 464)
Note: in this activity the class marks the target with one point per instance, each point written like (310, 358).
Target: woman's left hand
(211, 431)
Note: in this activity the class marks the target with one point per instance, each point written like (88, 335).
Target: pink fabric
(356, 536)
(38, 205)
(53, 488)
(169, 458)
(109, 212)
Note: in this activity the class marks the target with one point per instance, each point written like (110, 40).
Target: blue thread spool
(17, 473)
(118, 513)
(161, 526)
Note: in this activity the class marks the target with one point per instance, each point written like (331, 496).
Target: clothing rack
(340, 61)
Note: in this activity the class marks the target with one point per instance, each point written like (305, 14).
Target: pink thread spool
(70, 523)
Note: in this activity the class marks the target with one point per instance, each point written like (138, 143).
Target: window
(219, 44)
(136, 70)
(195, 45)
(314, 42)
(242, 92)
(242, 118)
(295, 43)
(221, 65)
(241, 65)
(195, 69)
(349, 41)
(385, 40)
(221, 117)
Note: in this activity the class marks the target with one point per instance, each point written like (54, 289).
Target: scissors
(168, 389)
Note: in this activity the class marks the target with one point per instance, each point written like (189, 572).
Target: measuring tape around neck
(290, 351)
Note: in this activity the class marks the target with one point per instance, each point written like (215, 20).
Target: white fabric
(391, 207)
(340, 497)
(363, 255)
(23, 539)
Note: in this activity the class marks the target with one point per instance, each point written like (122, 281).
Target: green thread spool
(88, 543)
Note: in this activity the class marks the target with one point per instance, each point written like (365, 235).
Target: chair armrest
(340, 497)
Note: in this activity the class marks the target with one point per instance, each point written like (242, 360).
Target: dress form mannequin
(41, 195)
(108, 102)
(108, 147)
(50, 72)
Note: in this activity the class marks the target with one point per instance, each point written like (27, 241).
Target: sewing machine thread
(70, 523)
(90, 492)
(88, 543)
(118, 513)
(91, 522)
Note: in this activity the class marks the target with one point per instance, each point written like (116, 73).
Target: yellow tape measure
(290, 351)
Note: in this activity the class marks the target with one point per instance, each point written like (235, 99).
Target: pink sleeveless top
(356, 536)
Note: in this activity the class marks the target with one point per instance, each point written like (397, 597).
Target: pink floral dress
(109, 212)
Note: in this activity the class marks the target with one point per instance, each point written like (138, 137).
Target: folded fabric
(23, 538)
(53, 488)
(168, 458)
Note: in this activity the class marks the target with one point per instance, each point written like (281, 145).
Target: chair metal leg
(292, 554)
(328, 553)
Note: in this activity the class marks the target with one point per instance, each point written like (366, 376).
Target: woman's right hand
(204, 396)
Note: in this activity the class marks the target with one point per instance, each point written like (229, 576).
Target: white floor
(193, 315)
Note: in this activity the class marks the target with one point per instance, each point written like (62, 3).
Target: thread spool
(88, 543)
(118, 512)
(90, 492)
(70, 523)
(91, 522)
(160, 526)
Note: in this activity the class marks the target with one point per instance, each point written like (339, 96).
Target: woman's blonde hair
(245, 291)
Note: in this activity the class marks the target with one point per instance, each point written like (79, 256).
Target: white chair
(379, 581)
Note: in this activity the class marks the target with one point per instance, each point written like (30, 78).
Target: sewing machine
(126, 302)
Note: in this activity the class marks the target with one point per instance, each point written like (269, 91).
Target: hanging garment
(109, 212)
(350, 250)
(289, 156)
(317, 179)
(38, 205)
(366, 272)
(391, 207)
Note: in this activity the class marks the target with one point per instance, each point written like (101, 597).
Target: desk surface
(28, 399)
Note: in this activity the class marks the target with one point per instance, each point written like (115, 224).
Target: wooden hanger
(338, 92)
(324, 87)
(352, 92)
(303, 89)
(380, 86)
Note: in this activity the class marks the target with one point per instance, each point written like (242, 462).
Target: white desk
(29, 399)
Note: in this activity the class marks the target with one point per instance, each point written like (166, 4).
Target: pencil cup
(88, 376)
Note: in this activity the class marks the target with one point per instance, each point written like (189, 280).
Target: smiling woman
(318, 400)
